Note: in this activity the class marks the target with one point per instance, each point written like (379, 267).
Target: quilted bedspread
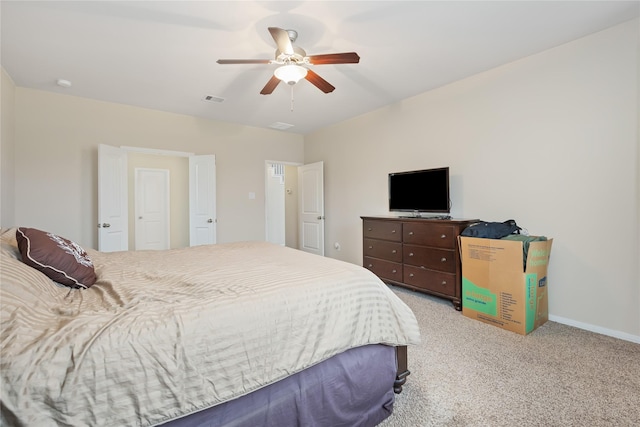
(163, 334)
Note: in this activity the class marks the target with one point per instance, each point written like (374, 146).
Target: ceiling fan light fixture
(290, 74)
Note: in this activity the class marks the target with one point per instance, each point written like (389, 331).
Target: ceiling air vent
(280, 126)
(211, 98)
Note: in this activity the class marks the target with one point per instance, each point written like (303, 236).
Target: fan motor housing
(298, 56)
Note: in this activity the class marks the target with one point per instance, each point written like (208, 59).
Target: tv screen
(420, 191)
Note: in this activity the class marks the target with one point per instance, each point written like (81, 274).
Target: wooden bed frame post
(403, 371)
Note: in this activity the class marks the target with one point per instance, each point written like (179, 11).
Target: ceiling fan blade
(270, 86)
(335, 58)
(243, 61)
(319, 82)
(282, 40)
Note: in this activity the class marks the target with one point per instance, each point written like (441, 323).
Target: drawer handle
(370, 265)
(443, 259)
(393, 231)
(410, 253)
(369, 229)
(394, 271)
(370, 247)
(394, 251)
(411, 233)
(410, 274)
(444, 283)
(444, 236)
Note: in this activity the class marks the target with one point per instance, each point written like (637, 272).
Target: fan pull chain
(292, 98)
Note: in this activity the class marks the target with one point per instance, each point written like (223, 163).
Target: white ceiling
(162, 54)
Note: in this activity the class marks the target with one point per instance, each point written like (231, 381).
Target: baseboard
(596, 329)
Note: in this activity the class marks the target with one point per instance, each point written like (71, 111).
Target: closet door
(202, 200)
(113, 230)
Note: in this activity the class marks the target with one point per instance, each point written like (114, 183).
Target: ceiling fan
(292, 61)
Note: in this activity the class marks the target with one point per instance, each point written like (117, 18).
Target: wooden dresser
(417, 253)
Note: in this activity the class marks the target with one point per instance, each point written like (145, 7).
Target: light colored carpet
(467, 373)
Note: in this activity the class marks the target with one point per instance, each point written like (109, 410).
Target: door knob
(106, 225)
(210, 220)
(320, 217)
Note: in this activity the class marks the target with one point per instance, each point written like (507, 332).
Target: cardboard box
(499, 289)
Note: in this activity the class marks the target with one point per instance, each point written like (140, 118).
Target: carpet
(467, 373)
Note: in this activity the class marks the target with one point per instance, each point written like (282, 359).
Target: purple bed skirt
(351, 389)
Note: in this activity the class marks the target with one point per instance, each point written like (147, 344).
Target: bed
(235, 334)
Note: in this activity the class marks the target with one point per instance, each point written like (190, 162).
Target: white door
(202, 200)
(112, 199)
(152, 226)
(311, 208)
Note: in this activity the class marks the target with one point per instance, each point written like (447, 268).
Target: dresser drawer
(418, 253)
(386, 230)
(384, 269)
(437, 235)
(430, 280)
(432, 258)
(391, 251)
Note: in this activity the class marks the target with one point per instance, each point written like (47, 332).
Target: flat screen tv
(420, 191)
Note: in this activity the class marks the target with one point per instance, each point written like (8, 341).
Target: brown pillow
(60, 259)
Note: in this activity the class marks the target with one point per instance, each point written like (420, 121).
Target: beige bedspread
(165, 333)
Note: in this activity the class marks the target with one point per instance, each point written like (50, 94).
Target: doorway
(116, 196)
(281, 203)
(275, 210)
(294, 205)
(177, 224)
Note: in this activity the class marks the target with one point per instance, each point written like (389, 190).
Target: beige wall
(7, 149)
(56, 148)
(550, 140)
(178, 168)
